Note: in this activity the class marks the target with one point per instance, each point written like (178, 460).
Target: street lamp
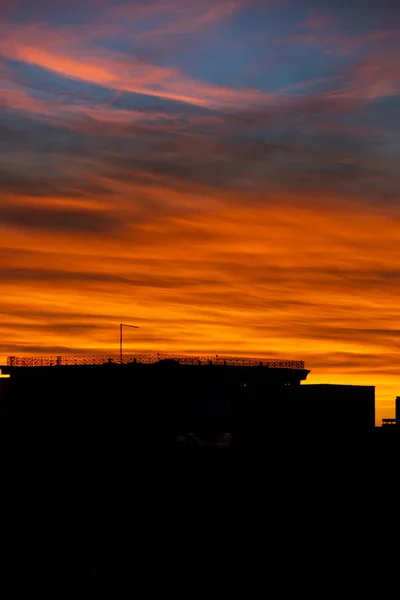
(120, 338)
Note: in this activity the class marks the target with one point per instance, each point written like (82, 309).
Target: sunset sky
(223, 173)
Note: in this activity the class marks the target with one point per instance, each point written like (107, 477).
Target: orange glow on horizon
(285, 280)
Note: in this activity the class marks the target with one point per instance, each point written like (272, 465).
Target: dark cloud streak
(59, 220)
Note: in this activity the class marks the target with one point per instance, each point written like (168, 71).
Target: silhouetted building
(95, 427)
(398, 411)
(347, 409)
(4, 383)
(153, 404)
(147, 403)
(157, 399)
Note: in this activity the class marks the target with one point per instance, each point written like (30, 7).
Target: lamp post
(120, 338)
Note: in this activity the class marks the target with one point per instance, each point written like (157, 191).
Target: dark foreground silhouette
(116, 480)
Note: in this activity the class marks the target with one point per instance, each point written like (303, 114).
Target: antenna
(120, 338)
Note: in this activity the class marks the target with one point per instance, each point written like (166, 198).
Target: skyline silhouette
(151, 358)
(101, 462)
(112, 466)
(325, 393)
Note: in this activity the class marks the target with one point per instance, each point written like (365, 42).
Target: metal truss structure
(235, 361)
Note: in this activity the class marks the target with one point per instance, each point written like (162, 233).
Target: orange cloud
(117, 71)
(274, 279)
(377, 77)
(72, 115)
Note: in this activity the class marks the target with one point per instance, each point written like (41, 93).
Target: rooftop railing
(236, 361)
